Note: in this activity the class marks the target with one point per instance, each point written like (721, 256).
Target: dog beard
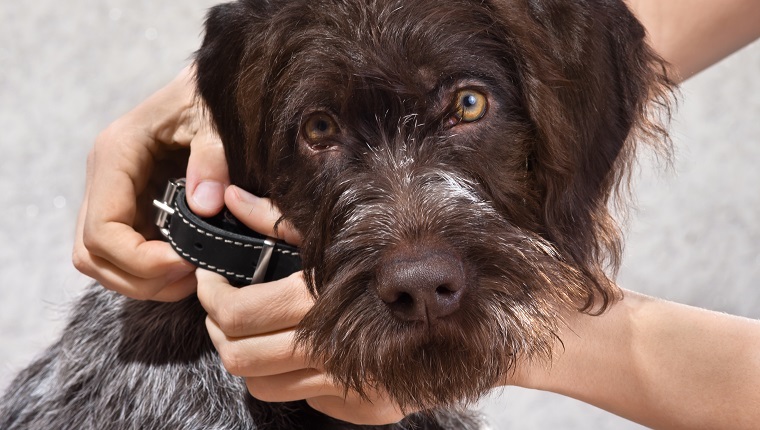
(516, 285)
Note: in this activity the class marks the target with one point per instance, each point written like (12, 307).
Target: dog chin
(511, 312)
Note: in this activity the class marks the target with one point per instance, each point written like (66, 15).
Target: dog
(450, 167)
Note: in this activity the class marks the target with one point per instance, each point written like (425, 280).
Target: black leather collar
(222, 243)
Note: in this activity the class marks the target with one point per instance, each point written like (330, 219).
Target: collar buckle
(166, 206)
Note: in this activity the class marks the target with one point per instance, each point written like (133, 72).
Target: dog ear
(229, 32)
(589, 80)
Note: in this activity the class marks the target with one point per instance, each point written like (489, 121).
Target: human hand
(254, 327)
(127, 167)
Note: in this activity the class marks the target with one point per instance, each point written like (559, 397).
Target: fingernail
(209, 195)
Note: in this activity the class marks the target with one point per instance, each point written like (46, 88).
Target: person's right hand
(126, 169)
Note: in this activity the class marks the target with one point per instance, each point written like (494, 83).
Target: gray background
(68, 68)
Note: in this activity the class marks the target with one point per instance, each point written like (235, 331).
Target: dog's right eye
(318, 127)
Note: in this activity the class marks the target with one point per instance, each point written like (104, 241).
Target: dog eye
(319, 126)
(470, 105)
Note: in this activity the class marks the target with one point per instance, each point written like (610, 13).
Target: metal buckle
(166, 205)
(263, 264)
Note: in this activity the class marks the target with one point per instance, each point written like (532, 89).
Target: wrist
(590, 352)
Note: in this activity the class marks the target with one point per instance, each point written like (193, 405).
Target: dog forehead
(383, 56)
(387, 39)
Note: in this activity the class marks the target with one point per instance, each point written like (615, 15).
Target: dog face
(449, 166)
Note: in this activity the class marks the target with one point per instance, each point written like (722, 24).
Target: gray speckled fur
(126, 364)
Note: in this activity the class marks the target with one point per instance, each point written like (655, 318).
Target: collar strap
(222, 243)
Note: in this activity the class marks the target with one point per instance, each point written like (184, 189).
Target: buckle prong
(166, 205)
(263, 264)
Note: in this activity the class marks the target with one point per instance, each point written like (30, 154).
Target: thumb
(207, 174)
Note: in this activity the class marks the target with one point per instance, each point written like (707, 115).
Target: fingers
(292, 386)
(207, 173)
(169, 288)
(107, 247)
(175, 285)
(255, 309)
(262, 355)
(253, 329)
(353, 409)
(323, 395)
(259, 214)
(111, 211)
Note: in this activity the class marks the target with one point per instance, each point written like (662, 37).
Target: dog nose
(421, 287)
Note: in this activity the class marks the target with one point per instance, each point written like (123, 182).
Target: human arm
(126, 168)
(691, 35)
(661, 364)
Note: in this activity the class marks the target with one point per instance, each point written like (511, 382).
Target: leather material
(223, 245)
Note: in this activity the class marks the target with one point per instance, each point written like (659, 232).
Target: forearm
(694, 34)
(661, 364)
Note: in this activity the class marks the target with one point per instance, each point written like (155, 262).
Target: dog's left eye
(319, 126)
(470, 105)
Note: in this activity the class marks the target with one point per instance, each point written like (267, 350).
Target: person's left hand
(117, 242)
(253, 329)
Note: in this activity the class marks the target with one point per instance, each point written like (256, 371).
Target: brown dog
(449, 165)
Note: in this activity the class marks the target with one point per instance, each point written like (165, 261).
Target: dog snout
(422, 287)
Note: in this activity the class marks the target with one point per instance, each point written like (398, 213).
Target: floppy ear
(230, 30)
(589, 82)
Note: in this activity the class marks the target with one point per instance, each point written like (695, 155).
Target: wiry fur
(520, 198)
(128, 364)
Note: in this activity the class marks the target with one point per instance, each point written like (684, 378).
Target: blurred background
(69, 68)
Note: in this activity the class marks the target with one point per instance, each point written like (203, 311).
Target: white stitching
(206, 265)
(214, 268)
(236, 243)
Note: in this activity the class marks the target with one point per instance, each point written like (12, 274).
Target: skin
(694, 34)
(109, 246)
(661, 364)
(657, 363)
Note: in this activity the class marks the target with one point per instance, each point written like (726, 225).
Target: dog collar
(222, 243)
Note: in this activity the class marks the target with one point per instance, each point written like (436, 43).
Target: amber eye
(319, 126)
(470, 105)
